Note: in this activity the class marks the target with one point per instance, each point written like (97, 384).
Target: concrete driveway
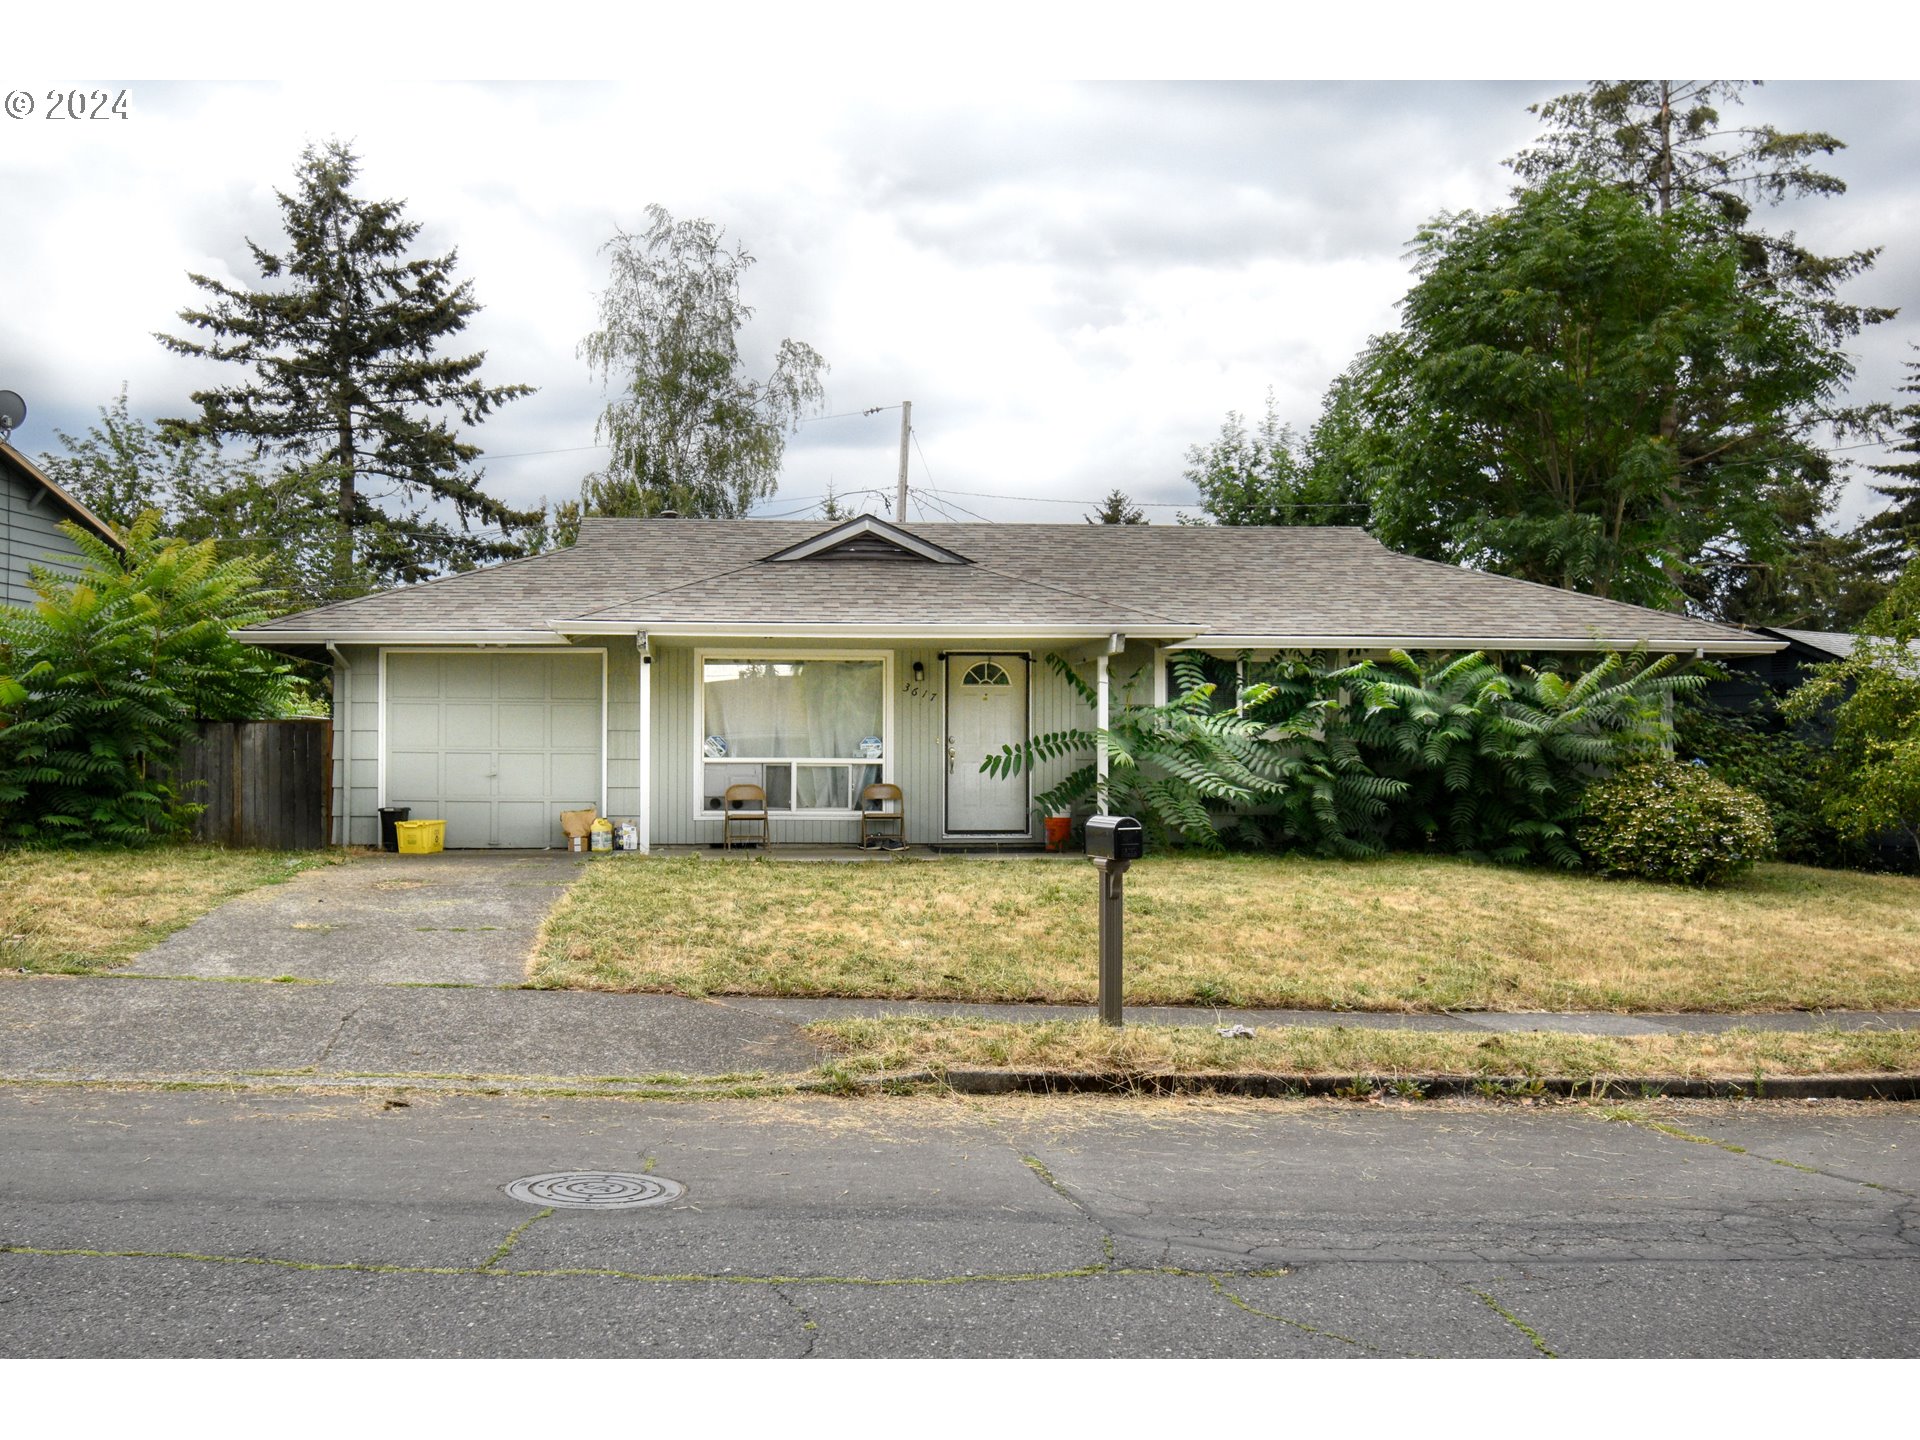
(463, 917)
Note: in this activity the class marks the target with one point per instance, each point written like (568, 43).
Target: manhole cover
(596, 1190)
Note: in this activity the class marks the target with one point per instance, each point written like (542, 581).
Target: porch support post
(1100, 725)
(646, 743)
(1115, 644)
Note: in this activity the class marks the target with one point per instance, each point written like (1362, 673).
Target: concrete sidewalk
(118, 1027)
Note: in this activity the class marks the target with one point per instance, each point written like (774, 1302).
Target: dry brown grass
(904, 1044)
(1399, 933)
(74, 911)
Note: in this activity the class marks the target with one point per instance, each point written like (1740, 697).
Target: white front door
(986, 710)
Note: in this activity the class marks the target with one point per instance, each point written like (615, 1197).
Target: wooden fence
(267, 784)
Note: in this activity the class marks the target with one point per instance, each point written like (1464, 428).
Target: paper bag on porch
(575, 823)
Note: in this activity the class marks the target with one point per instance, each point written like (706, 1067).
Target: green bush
(1444, 752)
(1872, 774)
(1661, 820)
(104, 676)
(1754, 750)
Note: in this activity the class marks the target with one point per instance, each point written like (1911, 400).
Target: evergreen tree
(347, 380)
(1666, 142)
(1893, 535)
(1117, 509)
(1267, 476)
(281, 518)
(689, 430)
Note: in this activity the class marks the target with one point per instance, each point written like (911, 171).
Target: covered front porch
(809, 722)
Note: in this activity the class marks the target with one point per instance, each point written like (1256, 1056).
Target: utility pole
(906, 433)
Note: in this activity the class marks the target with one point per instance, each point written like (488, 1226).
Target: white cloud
(1072, 282)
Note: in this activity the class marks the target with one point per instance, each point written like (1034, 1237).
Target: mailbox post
(1114, 842)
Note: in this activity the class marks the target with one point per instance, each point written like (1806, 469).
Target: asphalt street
(157, 1222)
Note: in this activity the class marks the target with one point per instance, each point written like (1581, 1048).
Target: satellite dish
(12, 411)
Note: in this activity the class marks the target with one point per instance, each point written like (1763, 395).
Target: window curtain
(821, 709)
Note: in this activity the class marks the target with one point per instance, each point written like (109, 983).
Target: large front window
(811, 733)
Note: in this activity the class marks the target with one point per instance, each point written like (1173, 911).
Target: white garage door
(495, 745)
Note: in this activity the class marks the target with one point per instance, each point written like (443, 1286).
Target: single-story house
(657, 662)
(31, 509)
(1753, 678)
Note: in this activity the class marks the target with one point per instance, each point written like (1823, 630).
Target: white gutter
(816, 630)
(1753, 646)
(346, 748)
(397, 637)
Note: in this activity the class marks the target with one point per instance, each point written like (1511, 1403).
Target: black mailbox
(1116, 837)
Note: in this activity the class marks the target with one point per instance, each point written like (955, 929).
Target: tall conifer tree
(1893, 535)
(1667, 141)
(343, 341)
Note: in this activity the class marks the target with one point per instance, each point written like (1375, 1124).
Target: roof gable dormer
(867, 537)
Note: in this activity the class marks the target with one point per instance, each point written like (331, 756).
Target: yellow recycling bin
(421, 837)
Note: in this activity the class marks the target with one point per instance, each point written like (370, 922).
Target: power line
(528, 454)
(843, 414)
(936, 491)
(942, 498)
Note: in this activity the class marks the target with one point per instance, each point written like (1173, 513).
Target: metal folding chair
(745, 805)
(879, 824)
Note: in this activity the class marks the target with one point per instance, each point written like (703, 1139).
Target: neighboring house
(658, 661)
(1756, 677)
(31, 509)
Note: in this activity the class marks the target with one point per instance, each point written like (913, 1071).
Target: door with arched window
(986, 710)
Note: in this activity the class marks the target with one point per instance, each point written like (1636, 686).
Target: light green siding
(356, 738)
(917, 763)
(30, 535)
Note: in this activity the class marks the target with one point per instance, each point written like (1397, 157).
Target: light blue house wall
(30, 535)
(916, 763)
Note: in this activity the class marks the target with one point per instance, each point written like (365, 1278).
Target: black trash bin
(391, 815)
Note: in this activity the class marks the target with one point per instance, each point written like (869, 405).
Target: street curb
(1023, 1082)
(1785, 1087)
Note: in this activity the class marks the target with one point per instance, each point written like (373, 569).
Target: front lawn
(75, 911)
(1400, 933)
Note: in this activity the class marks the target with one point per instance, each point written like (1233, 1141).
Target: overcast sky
(1073, 282)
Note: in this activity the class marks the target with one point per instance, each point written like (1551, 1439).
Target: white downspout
(346, 745)
(646, 743)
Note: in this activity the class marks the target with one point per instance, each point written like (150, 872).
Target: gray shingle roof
(1289, 585)
(1837, 643)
